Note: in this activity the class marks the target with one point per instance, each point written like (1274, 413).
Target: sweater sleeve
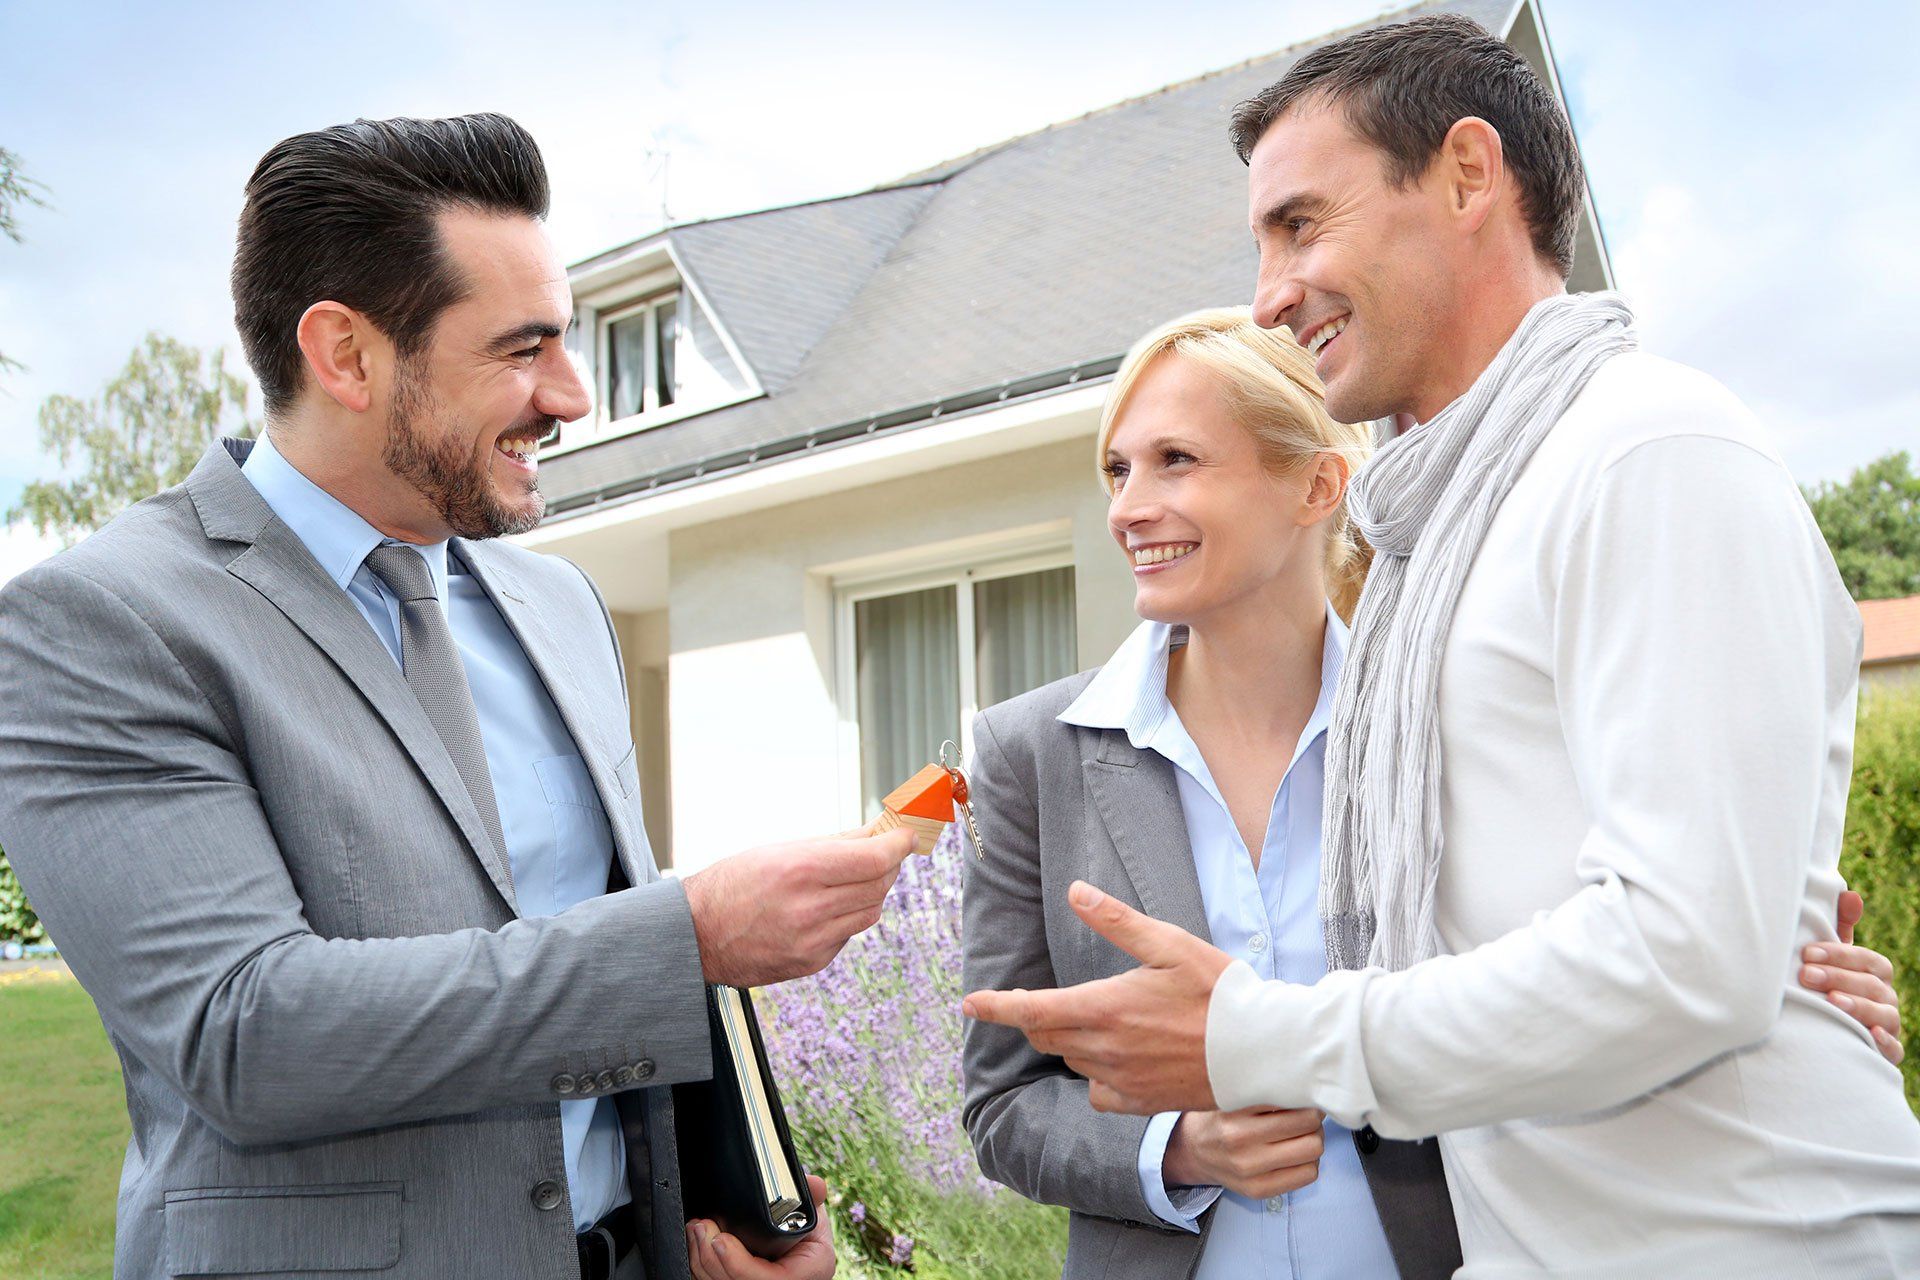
(1695, 639)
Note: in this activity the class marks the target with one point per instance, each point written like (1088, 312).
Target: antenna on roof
(660, 158)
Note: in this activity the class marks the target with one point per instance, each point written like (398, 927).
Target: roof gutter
(733, 462)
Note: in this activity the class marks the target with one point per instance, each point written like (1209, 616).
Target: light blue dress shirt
(1271, 919)
(558, 841)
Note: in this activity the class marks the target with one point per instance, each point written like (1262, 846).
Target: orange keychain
(927, 801)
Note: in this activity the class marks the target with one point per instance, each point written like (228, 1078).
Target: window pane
(1023, 633)
(626, 367)
(906, 649)
(669, 338)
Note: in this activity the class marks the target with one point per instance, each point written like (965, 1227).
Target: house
(1891, 655)
(839, 488)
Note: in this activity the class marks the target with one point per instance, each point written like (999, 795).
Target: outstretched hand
(1139, 1038)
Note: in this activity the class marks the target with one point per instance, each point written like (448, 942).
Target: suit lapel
(1138, 801)
(279, 566)
(547, 653)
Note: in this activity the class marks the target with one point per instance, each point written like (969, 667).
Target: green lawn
(63, 1130)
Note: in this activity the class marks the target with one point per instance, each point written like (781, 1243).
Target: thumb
(1152, 942)
(1852, 907)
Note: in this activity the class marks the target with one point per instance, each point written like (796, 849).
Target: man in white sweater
(1612, 678)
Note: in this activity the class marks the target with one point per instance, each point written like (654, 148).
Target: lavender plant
(868, 1056)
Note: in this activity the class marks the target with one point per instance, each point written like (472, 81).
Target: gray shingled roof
(1051, 251)
(780, 278)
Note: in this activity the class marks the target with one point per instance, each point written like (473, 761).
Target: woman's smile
(1158, 557)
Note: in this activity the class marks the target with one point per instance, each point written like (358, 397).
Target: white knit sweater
(1646, 716)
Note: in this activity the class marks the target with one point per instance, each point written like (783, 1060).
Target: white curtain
(907, 648)
(1023, 633)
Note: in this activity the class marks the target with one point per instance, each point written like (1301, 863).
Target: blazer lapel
(1138, 800)
(548, 654)
(279, 566)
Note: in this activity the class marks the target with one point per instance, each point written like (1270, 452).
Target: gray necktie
(436, 676)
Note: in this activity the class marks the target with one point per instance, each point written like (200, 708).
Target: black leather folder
(737, 1161)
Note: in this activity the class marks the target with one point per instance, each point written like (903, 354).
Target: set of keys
(928, 801)
(960, 797)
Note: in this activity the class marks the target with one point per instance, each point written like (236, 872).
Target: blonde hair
(1268, 382)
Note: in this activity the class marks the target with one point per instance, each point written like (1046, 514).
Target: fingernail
(1816, 976)
(1083, 894)
(1843, 1000)
(1816, 953)
(967, 1008)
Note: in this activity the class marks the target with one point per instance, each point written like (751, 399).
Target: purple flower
(868, 1050)
(858, 1213)
(902, 1252)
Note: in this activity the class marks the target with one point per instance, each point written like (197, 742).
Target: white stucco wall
(1890, 676)
(756, 744)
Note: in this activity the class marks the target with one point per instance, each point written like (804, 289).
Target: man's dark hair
(347, 214)
(1403, 85)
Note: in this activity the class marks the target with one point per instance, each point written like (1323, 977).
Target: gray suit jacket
(1058, 803)
(343, 1049)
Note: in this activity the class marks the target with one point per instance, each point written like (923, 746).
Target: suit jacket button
(603, 1083)
(643, 1069)
(622, 1076)
(1368, 1141)
(585, 1083)
(562, 1083)
(546, 1195)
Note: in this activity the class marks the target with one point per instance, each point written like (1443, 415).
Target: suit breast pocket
(627, 772)
(226, 1231)
(582, 840)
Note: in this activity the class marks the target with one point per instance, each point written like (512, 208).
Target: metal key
(960, 797)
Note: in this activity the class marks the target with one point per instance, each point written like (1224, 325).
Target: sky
(1754, 164)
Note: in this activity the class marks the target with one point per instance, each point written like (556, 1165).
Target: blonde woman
(1184, 777)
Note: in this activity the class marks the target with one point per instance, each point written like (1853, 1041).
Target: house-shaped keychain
(923, 802)
(927, 802)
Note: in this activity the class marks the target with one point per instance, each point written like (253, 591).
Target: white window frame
(644, 274)
(962, 577)
(648, 308)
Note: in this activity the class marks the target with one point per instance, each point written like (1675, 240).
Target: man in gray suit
(329, 796)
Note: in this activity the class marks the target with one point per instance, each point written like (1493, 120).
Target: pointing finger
(1008, 1008)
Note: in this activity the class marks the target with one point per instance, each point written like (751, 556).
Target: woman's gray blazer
(1058, 803)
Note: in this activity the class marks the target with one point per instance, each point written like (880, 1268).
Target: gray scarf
(1424, 502)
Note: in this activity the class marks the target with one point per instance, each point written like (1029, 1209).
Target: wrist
(1178, 1167)
(698, 907)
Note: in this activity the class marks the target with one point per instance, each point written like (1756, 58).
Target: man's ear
(337, 342)
(1473, 165)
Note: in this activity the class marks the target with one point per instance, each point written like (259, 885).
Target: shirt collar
(333, 532)
(1130, 692)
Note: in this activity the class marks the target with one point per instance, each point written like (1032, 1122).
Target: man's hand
(719, 1256)
(785, 910)
(1139, 1038)
(1257, 1153)
(1857, 980)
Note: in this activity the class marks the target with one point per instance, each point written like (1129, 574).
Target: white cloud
(21, 549)
(1765, 242)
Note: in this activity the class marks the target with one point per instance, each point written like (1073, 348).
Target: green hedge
(1881, 857)
(17, 921)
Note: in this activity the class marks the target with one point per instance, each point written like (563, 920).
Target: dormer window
(641, 364)
(647, 343)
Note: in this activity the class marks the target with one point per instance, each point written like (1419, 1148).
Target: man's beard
(437, 465)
